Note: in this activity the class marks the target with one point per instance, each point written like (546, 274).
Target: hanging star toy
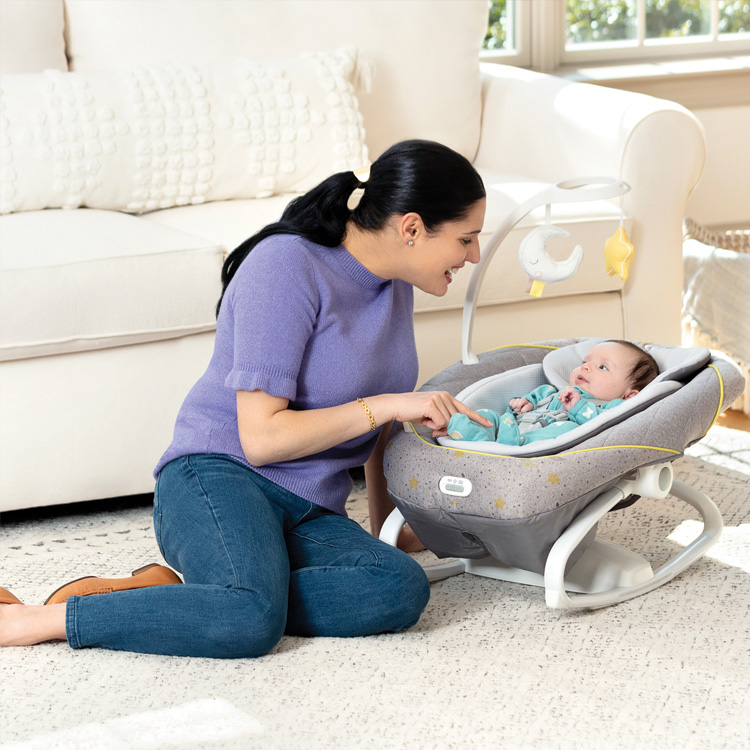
(618, 254)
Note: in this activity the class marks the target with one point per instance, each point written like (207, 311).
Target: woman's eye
(467, 241)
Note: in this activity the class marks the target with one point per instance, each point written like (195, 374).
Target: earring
(410, 243)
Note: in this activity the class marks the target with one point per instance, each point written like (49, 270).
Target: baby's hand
(569, 397)
(520, 405)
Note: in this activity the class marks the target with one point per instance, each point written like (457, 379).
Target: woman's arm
(379, 503)
(378, 500)
(271, 432)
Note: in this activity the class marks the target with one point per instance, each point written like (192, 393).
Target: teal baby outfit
(547, 419)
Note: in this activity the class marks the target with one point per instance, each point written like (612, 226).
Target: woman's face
(434, 259)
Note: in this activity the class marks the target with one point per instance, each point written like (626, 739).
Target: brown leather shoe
(7, 598)
(150, 575)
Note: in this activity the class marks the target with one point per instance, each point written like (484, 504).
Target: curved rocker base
(606, 573)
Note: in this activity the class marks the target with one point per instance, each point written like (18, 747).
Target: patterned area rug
(488, 666)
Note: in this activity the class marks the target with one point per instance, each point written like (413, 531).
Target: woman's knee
(401, 593)
(252, 628)
(413, 593)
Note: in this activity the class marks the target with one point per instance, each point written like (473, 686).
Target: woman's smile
(451, 272)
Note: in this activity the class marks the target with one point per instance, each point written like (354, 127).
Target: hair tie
(362, 174)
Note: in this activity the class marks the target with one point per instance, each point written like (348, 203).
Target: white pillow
(149, 137)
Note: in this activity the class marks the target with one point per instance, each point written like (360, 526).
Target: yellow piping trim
(532, 458)
(518, 346)
(721, 398)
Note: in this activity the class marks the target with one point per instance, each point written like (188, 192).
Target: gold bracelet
(368, 412)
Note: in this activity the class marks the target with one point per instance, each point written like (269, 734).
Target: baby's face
(605, 372)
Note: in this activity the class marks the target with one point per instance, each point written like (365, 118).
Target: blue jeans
(257, 561)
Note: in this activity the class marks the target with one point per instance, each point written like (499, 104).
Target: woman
(314, 358)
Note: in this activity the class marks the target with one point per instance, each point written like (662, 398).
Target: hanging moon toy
(539, 265)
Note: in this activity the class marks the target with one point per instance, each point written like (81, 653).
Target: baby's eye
(603, 367)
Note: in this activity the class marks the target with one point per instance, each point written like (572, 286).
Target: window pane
(500, 26)
(599, 21)
(734, 17)
(677, 18)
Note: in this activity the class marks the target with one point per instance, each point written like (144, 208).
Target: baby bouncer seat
(529, 514)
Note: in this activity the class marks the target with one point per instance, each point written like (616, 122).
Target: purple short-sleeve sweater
(313, 325)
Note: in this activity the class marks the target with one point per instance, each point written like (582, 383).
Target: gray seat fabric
(519, 505)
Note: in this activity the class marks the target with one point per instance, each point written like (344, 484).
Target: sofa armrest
(552, 129)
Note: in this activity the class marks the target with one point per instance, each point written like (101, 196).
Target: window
(637, 29)
(545, 34)
(507, 38)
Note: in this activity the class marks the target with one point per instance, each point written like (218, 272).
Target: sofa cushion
(226, 223)
(31, 36)
(99, 279)
(426, 58)
(150, 137)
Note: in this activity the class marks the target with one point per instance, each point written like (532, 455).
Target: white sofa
(155, 143)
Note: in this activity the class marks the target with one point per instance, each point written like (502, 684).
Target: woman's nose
(474, 254)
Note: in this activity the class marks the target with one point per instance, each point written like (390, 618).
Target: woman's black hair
(417, 176)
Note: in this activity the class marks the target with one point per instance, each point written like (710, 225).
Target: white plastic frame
(606, 573)
(568, 191)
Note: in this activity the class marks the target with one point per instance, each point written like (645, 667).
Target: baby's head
(614, 369)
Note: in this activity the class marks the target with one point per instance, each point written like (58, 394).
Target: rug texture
(488, 666)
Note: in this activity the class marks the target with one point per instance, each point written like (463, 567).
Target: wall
(722, 197)
(718, 93)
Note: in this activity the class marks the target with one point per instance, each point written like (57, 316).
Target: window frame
(520, 55)
(540, 31)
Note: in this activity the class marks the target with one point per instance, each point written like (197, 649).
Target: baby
(610, 373)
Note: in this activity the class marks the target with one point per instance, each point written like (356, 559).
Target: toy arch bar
(576, 190)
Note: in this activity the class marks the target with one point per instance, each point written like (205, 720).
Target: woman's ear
(410, 226)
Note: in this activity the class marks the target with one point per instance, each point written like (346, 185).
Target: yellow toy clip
(535, 288)
(618, 254)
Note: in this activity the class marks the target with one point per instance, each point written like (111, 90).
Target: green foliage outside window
(600, 20)
(677, 18)
(498, 33)
(734, 17)
(614, 20)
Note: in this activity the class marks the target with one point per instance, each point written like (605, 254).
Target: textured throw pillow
(158, 136)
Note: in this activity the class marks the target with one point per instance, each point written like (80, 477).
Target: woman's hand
(432, 409)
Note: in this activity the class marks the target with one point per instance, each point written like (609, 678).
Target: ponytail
(319, 215)
(417, 176)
